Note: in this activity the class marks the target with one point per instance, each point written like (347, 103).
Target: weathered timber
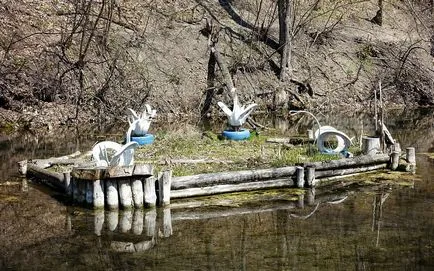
(349, 162)
(371, 145)
(394, 160)
(111, 194)
(309, 176)
(98, 194)
(98, 221)
(233, 177)
(347, 171)
(138, 221)
(45, 163)
(164, 183)
(112, 219)
(299, 174)
(99, 173)
(137, 192)
(125, 194)
(410, 155)
(53, 179)
(228, 188)
(150, 196)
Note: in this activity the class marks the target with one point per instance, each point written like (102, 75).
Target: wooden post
(150, 196)
(88, 192)
(299, 177)
(137, 191)
(111, 191)
(167, 222)
(164, 182)
(310, 134)
(394, 160)
(98, 221)
(67, 183)
(22, 167)
(112, 219)
(98, 194)
(74, 188)
(309, 176)
(410, 157)
(371, 145)
(150, 222)
(138, 221)
(126, 220)
(81, 184)
(125, 194)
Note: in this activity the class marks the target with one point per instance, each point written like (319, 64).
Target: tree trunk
(378, 19)
(284, 11)
(210, 85)
(432, 28)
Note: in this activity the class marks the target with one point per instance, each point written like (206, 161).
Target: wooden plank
(143, 170)
(88, 173)
(118, 172)
(232, 177)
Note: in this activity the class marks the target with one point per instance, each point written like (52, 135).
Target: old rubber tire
(243, 134)
(143, 140)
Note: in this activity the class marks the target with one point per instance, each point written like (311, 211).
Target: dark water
(378, 227)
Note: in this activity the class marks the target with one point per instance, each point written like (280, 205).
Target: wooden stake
(112, 196)
(150, 196)
(164, 182)
(98, 194)
(137, 191)
(394, 160)
(299, 177)
(309, 175)
(125, 194)
(410, 155)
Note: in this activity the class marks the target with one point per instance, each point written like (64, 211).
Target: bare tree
(285, 37)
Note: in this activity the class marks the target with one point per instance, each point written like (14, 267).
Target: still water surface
(387, 227)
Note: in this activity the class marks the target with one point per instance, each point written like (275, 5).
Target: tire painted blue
(243, 134)
(143, 140)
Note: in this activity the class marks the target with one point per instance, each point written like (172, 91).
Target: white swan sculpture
(109, 153)
(139, 123)
(238, 115)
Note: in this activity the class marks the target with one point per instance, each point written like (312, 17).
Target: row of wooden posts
(137, 186)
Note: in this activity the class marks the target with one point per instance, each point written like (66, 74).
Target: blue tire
(143, 140)
(242, 134)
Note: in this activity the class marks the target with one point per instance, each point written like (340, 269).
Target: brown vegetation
(63, 61)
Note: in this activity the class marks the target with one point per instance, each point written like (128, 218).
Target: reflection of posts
(98, 221)
(112, 219)
(310, 195)
(126, 221)
(138, 221)
(150, 222)
(167, 222)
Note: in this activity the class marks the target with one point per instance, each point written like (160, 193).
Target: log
(53, 179)
(98, 194)
(164, 181)
(232, 177)
(125, 194)
(309, 176)
(137, 192)
(410, 155)
(394, 160)
(227, 188)
(150, 196)
(88, 189)
(299, 177)
(349, 162)
(111, 193)
(45, 163)
(371, 145)
(347, 171)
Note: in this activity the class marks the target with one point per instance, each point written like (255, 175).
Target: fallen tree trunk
(349, 162)
(228, 188)
(232, 177)
(53, 179)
